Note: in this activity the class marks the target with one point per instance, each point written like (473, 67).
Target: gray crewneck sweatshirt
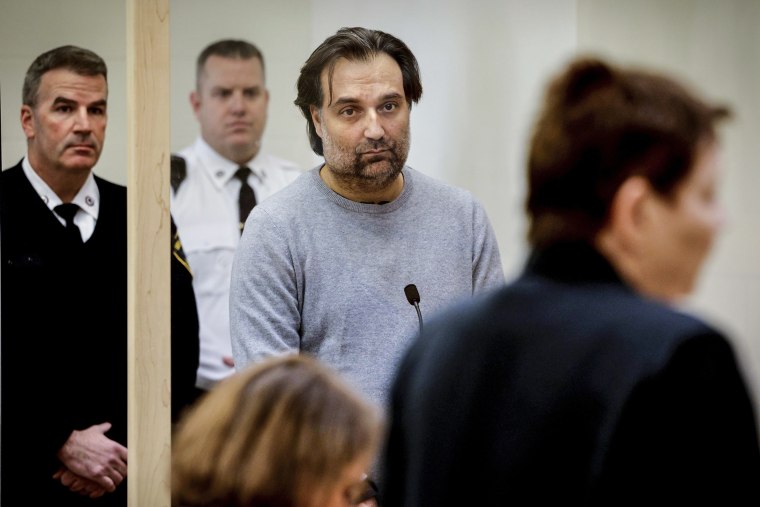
(317, 273)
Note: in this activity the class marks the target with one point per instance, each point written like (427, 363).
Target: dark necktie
(67, 212)
(247, 199)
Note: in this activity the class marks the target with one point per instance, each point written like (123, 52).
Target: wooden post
(148, 152)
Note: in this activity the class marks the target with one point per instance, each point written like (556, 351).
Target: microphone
(413, 296)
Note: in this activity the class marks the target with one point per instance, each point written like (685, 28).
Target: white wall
(484, 65)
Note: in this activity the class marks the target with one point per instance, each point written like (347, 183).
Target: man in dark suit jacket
(64, 295)
(64, 298)
(581, 383)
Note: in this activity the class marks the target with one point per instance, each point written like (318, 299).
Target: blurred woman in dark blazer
(583, 382)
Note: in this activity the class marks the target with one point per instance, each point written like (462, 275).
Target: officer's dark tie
(247, 199)
(67, 212)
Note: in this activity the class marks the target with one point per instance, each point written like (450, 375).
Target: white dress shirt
(88, 199)
(205, 209)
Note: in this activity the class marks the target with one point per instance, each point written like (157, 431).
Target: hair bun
(585, 76)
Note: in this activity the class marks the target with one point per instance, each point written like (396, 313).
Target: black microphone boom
(413, 296)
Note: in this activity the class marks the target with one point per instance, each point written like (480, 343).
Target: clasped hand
(92, 463)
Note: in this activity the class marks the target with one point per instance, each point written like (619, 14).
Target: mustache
(375, 145)
(84, 140)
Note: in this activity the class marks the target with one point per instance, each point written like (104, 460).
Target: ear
(625, 227)
(628, 209)
(316, 119)
(27, 121)
(195, 102)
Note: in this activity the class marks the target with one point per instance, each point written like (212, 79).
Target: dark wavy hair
(353, 44)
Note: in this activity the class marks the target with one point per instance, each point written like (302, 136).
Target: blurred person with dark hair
(286, 432)
(584, 382)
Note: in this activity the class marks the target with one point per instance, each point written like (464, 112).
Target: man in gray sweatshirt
(322, 265)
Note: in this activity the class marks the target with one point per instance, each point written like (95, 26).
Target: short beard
(357, 171)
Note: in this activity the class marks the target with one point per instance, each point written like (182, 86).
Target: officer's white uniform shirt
(205, 210)
(88, 199)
